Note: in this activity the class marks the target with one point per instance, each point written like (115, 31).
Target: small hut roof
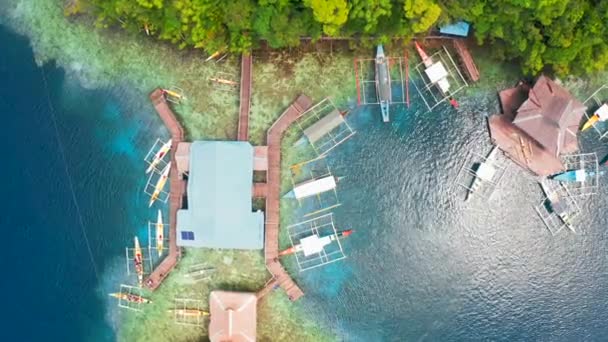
(233, 316)
(325, 125)
(551, 116)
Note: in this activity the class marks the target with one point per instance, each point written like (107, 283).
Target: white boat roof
(602, 112)
(436, 72)
(444, 85)
(314, 244)
(314, 187)
(580, 175)
(485, 172)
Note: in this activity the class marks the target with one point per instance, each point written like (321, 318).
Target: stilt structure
(271, 242)
(177, 189)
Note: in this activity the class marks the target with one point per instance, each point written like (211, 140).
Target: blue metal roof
(219, 213)
(460, 28)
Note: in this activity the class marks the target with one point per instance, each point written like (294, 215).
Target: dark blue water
(71, 174)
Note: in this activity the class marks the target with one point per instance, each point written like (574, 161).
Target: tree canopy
(564, 35)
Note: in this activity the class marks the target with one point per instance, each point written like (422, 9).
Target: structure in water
(538, 125)
(437, 78)
(314, 186)
(558, 209)
(324, 127)
(376, 78)
(480, 175)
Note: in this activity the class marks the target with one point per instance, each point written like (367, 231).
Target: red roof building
(233, 316)
(538, 125)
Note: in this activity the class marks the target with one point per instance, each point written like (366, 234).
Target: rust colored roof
(233, 316)
(521, 148)
(551, 116)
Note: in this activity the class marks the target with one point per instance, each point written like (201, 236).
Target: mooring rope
(68, 174)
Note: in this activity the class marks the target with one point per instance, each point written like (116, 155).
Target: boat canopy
(325, 125)
(314, 187)
(436, 72)
(314, 244)
(602, 112)
(485, 172)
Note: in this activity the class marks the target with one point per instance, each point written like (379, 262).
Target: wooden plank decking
(245, 97)
(271, 243)
(466, 59)
(176, 195)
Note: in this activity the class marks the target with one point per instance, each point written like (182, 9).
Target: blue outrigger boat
(574, 175)
(383, 83)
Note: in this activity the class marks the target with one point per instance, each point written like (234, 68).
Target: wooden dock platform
(177, 190)
(273, 198)
(245, 97)
(467, 60)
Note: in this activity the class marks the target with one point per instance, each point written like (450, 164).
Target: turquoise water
(68, 189)
(424, 266)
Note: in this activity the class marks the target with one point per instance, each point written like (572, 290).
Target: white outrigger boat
(160, 184)
(159, 233)
(437, 74)
(383, 83)
(139, 262)
(484, 173)
(558, 206)
(158, 157)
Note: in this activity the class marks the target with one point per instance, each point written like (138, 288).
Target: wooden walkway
(271, 243)
(245, 98)
(466, 59)
(177, 190)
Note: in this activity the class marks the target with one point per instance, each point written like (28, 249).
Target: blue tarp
(219, 213)
(460, 28)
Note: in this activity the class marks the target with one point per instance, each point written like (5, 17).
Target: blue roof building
(219, 213)
(460, 28)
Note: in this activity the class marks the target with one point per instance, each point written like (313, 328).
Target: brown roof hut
(538, 125)
(233, 316)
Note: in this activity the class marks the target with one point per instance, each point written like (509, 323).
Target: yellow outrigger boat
(601, 114)
(174, 94)
(189, 312)
(139, 262)
(129, 297)
(162, 152)
(160, 184)
(159, 233)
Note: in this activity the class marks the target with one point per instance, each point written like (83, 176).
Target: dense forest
(567, 36)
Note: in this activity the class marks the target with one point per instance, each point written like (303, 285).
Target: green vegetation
(566, 36)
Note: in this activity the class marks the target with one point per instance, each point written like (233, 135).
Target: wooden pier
(466, 59)
(177, 190)
(273, 198)
(245, 97)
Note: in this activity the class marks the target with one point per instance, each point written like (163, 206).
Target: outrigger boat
(323, 240)
(213, 55)
(601, 114)
(159, 233)
(383, 83)
(189, 312)
(174, 94)
(129, 297)
(485, 172)
(138, 259)
(313, 187)
(436, 73)
(224, 81)
(160, 184)
(557, 206)
(162, 152)
(574, 175)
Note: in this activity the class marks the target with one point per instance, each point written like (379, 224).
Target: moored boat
(574, 175)
(485, 172)
(160, 184)
(189, 312)
(324, 240)
(601, 114)
(437, 74)
(383, 83)
(159, 233)
(139, 262)
(158, 157)
(129, 297)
